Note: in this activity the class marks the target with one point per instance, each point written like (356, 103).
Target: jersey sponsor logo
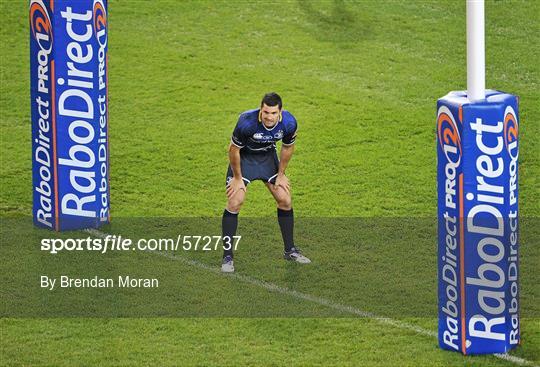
(278, 135)
(261, 138)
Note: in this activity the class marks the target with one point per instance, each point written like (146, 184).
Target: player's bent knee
(234, 209)
(234, 205)
(284, 202)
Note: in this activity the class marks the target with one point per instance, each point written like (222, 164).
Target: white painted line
(318, 300)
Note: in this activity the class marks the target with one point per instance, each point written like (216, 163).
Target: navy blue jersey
(251, 135)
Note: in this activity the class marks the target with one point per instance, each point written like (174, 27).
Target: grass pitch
(362, 78)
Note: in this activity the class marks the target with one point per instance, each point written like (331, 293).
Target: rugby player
(253, 156)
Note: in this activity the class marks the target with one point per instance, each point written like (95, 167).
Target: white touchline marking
(308, 297)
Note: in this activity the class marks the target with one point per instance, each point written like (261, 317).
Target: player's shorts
(257, 166)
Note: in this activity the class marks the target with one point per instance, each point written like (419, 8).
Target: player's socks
(286, 224)
(229, 223)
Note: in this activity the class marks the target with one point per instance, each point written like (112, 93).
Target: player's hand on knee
(235, 185)
(283, 182)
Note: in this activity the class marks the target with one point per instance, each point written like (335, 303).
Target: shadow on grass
(340, 25)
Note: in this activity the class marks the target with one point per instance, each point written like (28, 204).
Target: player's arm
(234, 160)
(237, 183)
(238, 141)
(287, 150)
(284, 158)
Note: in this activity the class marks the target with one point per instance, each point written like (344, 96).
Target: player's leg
(236, 200)
(229, 224)
(230, 219)
(285, 216)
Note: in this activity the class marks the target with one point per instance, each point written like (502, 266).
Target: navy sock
(229, 223)
(286, 224)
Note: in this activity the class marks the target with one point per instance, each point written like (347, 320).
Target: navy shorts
(257, 166)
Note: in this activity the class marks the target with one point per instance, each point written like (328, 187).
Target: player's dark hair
(272, 99)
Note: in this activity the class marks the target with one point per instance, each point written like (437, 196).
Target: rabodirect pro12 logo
(511, 133)
(100, 20)
(40, 24)
(448, 133)
(511, 129)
